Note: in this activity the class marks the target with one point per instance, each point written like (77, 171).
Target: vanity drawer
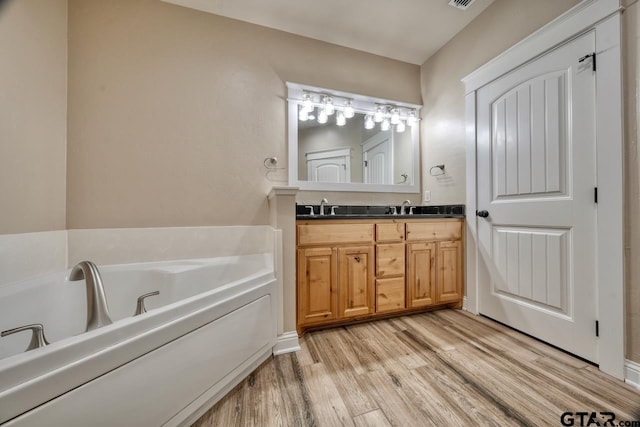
(390, 259)
(322, 234)
(390, 294)
(390, 232)
(449, 230)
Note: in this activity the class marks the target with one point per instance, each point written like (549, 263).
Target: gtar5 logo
(584, 419)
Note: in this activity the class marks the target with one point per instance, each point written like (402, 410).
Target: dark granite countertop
(377, 212)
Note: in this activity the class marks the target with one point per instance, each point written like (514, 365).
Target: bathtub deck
(439, 368)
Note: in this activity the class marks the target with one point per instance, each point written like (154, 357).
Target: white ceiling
(406, 30)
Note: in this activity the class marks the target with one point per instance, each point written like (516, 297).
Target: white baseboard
(632, 373)
(287, 342)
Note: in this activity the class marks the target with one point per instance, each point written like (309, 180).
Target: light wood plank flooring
(445, 368)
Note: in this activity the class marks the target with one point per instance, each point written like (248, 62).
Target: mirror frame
(362, 104)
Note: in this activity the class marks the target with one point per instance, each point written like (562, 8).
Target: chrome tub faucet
(97, 310)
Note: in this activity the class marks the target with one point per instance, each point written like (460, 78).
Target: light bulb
(379, 114)
(400, 127)
(322, 117)
(340, 119)
(307, 103)
(385, 125)
(329, 108)
(304, 114)
(368, 122)
(412, 120)
(395, 116)
(349, 112)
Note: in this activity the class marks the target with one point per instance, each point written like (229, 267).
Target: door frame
(604, 18)
(373, 142)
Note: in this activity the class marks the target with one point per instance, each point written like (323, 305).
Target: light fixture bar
(318, 103)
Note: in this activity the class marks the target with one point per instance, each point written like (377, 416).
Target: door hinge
(366, 163)
(597, 328)
(593, 60)
(595, 195)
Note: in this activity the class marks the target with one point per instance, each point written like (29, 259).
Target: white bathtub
(214, 321)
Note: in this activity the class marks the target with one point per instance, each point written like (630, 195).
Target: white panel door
(536, 174)
(329, 166)
(377, 154)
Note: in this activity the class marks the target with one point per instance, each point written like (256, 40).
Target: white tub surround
(28, 255)
(214, 321)
(127, 245)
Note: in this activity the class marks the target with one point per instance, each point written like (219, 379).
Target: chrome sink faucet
(97, 311)
(404, 204)
(322, 203)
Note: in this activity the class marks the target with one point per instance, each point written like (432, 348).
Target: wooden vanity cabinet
(360, 269)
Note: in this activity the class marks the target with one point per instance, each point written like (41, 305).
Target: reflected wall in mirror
(343, 141)
(353, 154)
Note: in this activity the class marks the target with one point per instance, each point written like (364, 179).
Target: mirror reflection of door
(377, 156)
(329, 166)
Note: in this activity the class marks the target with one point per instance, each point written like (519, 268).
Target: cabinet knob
(357, 258)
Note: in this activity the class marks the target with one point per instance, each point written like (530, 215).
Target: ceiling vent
(461, 4)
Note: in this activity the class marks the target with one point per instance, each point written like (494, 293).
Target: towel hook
(271, 163)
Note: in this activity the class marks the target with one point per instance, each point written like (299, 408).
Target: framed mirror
(341, 141)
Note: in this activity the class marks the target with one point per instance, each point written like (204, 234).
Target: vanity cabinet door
(421, 274)
(450, 271)
(355, 281)
(317, 290)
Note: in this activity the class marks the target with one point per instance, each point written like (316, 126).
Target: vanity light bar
(329, 103)
(385, 114)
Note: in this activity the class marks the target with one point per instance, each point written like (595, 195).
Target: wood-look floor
(445, 368)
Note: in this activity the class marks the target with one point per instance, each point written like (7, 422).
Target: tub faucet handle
(140, 308)
(37, 335)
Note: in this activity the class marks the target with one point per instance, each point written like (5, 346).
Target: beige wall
(322, 138)
(631, 21)
(172, 111)
(33, 114)
(499, 27)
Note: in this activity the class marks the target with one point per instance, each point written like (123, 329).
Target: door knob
(482, 214)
